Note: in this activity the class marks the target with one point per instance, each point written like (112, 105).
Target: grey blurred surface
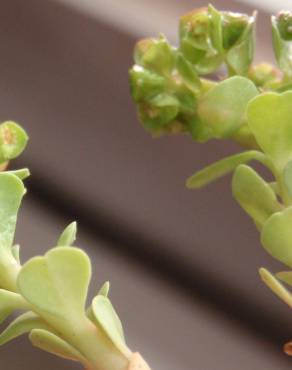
(64, 77)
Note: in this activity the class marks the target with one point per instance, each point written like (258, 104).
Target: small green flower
(282, 41)
(164, 85)
(208, 38)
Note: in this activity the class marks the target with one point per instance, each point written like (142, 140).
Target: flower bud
(209, 37)
(164, 85)
(196, 41)
(263, 74)
(158, 113)
(145, 84)
(156, 55)
(238, 41)
(282, 41)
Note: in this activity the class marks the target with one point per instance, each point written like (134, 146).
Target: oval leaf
(105, 316)
(285, 276)
(270, 120)
(276, 236)
(13, 140)
(11, 193)
(253, 194)
(274, 284)
(58, 282)
(23, 324)
(221, 168)
(10, 302)
(51, 343)
(223, 108)
(287, 175)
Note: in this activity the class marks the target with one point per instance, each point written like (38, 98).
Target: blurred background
(183, 265)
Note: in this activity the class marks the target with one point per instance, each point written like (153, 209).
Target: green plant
(251, 105)
(51, 290)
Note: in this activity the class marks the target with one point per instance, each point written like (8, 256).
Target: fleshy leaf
(188, 73)
(276, 236)
(105, 315)
(16, 252)
(68, 236)
(57, 283)
(274, 284)
(104, 290)
(13, 140)
(23, 324)
(253, 194)
(21, 174)
(270, 120)
(240, 56)
(10, 302)
(223, 108)
(11, 193)
(285, 276)
(287, 175)
(51, 343)
(282, 41)
(155, 54)
(221, 168)
(145, 84)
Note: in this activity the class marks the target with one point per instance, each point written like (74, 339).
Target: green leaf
(223, 108)
(285, 276)
(23, 324)
(188, 73)
(10, 302)
(287, 176)
(276, 286)
(57, 283)
(239, 57)
(13, 140)
(276, 236)
(145, 84)
(197, 35)
(16, 252)
(215, 28)
(253, 194)
(68, 236)
(160, 111)
(11, 193)
(51, 343)
(21, 174)
(104, 290)
(282, 41)
(270, 120)
(221, 168)
(155, 54)
(105, 316)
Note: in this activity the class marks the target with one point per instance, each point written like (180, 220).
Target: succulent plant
(250, 104)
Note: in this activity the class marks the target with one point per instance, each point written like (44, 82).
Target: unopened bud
(155, 54)
(282, 41)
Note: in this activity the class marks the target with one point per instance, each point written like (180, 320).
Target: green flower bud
(282, 41)
(208, 38)
(238, 41)
(156, 55)
(264, 74)
(165, 86)
(145, 84)
(159, 112)
(197, 43)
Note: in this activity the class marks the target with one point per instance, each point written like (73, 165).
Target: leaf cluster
(251, 105)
